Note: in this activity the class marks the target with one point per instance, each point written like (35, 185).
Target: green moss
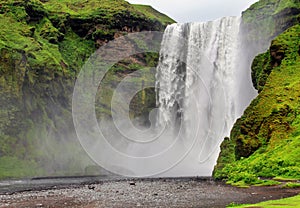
(88, 7)
(285, 179)
(75, 50)
(13, 167)
(265, 8)
(282, 5)
(153, 14)
(261, 68)
(272, 121)
(226, 156)
(287, 202)
(144, 101)
(265, 20)
(291, 185)
(47, 31)
(43, 45)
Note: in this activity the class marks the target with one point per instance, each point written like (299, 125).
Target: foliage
(265, 20)
(139, 106)
(153, 14)
(287, 202)
(261, 68)
(265, 141)
(75, 50)
(291, 185)
(43, 45)
(269, 8)
(13, 167)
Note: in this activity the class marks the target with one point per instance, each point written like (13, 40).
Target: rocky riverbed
(171, 192)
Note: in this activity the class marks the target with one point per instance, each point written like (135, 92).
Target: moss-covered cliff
(266, 19)
(265, 141)
(43, 44)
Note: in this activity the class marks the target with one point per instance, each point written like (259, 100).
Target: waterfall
(197, 86)
(202, 86)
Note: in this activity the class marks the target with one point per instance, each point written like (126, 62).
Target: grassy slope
(40, 28)
(268, 8)
(107, 7)
(42, 47)
(265, 142)
(288, 202)
(153, 14)
(266, 19)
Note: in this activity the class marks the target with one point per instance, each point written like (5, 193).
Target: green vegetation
(287, 202)
(291, 185)
(88, 8)
(153, 14)
(277, 178)
(12, 167)
(266, 19)
(144, 101)
(43, 45)
(265, 141)
(264, 8)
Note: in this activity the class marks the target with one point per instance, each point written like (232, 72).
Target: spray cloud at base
(198, 100)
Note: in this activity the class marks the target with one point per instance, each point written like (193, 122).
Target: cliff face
(43, 44)
(265, 141)
(266, 19)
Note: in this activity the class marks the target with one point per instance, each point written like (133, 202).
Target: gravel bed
(179, 192)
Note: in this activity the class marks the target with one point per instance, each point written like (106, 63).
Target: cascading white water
(197, 85)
